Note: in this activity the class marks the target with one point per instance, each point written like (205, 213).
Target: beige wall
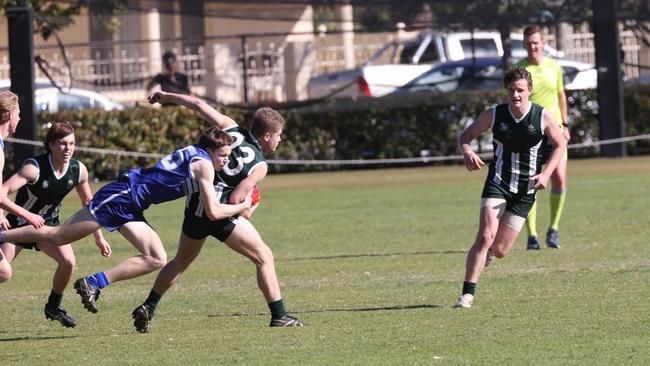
(214, 26)
(285, 19)
(75, 33)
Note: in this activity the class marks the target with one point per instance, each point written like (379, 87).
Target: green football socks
(54, 301)
(469, 288)
(152, 301)
(277, 309)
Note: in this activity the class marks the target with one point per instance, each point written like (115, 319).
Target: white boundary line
(333, 162)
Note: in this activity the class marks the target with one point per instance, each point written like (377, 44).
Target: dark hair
(214, 139)
(532, 29)
(266, 120)
(168, 55)
(168, 59)
(517, 73)
(58, 130)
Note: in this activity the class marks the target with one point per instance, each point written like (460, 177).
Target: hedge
(407, 125)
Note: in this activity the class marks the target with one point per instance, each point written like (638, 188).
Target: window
(568, 74)
(42, 103)
(408, 52)
(443, 79)
(482, 47)
(430, 54)
(487, 78)
(70, 101)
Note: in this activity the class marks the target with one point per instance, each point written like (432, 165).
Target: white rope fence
(424, 159)
(134, 154)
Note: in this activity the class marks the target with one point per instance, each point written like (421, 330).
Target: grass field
(372, 261)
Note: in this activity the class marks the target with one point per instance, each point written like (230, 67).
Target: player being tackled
(237, 180)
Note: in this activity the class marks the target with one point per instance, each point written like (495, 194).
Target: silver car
(49, 98)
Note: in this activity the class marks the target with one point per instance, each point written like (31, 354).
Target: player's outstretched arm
(194, 103)
(480, 125)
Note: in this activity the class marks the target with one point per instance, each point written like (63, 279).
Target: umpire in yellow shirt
(548, 91)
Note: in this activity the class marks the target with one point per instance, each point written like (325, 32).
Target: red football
(256, 195)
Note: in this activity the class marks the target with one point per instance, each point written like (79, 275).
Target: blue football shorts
(112, 206)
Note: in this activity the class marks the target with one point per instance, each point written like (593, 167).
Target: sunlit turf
(372, 261)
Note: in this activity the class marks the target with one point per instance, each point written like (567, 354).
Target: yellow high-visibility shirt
(547, 83)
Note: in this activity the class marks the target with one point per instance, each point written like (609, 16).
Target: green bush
(402, 126)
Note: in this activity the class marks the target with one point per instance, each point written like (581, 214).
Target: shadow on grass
(381, 308)
(18, 339)
(430, 252)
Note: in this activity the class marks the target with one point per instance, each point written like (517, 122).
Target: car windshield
(486, 78)
(444, 79)
(568, 74)
(481, 47)
(449, 78)
(70, 101)
(396, 53)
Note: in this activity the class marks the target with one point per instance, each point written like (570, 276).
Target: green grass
(371, 261)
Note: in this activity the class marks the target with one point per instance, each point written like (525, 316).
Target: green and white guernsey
(246, 155)
(44, 196)
(517, 142)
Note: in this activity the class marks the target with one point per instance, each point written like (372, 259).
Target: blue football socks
(98, 280)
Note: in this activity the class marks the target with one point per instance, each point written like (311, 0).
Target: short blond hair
(266, 120)
(8, 101)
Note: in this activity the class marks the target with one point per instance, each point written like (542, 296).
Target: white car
(486, 73)
(578, 75)
(49, 98)
(398, 62)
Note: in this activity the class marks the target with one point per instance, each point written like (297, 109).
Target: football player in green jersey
(42, 183)
(9, 118)
(549, 93)
(515, 173)
(233, 184)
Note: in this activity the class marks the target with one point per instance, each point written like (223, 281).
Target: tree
(52, 16)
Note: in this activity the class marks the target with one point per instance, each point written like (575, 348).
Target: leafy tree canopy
(52, 16)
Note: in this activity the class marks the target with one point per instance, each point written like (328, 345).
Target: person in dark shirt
(170, 80)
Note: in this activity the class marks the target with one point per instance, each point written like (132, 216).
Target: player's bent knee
(68, 264)
(6, 274)
(499, 252)
(262, 256)
(484, 240)
(157, 261)
(267, 255)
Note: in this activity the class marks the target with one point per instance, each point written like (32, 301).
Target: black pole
(610, 87)
(244, 58)
(21, 61)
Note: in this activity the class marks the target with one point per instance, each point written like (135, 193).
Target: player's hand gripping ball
(256, 196)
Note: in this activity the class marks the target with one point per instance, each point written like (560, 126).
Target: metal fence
(253, 68)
